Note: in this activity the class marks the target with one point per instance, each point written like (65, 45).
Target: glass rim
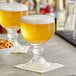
(13, 7)
(38, 19)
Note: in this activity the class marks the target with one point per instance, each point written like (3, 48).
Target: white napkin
(18, 51)
(35, 68)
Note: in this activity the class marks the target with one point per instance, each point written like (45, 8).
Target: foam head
(38, 19)
(13, 7)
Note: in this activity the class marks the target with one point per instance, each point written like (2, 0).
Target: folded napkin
(39, 68)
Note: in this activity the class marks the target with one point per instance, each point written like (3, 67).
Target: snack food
(5, 44)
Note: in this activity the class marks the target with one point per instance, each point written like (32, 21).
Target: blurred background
(50, 7)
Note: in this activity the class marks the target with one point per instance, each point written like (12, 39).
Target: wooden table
(56, 50)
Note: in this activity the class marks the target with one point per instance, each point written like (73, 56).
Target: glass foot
(17, 48)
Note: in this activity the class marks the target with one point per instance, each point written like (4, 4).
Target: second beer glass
(10, 18)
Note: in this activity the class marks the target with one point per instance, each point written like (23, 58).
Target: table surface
(56, 50)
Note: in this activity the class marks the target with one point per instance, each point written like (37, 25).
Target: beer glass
(37, 30)
(68, 24)
(10, 18)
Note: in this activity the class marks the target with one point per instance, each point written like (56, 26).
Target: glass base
(38, 62)
(17, 48)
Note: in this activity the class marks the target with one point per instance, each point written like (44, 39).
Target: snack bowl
(4, 53)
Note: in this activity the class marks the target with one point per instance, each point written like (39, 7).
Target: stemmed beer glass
(37, 30)
(10, 18)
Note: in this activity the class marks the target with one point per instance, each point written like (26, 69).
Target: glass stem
(12, 35)
(37, 49)
(37, 58)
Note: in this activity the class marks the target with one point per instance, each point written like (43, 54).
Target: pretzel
(5, 44)
(2, 47)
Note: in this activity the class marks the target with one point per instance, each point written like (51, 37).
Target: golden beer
(37, 29)
(11, 14)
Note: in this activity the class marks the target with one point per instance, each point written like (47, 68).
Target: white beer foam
(13, 7)
(38, 19)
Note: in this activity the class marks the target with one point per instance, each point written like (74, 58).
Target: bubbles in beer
(38, 19)
(13, 7)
